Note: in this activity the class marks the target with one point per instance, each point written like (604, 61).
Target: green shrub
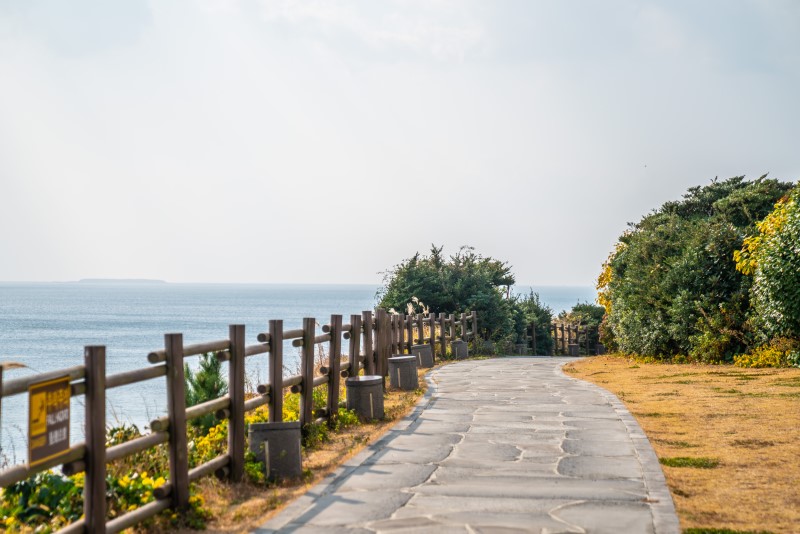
(464, 282)
(670, 288)
(46, 498)
(773, 258)
(780, 352)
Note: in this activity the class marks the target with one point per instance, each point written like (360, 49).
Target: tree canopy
(463, 282)
(670, 286)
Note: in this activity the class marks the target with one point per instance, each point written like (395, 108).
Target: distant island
(120, 281)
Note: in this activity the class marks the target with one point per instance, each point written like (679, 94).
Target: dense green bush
(670, 287)
(773, 258)
(464, 282)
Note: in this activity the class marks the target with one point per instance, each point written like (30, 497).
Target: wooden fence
(566, 334)
(563, 335)
(373, 339)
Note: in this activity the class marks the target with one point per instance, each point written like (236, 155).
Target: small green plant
(47, 499)
(253, 469)
(346, 419)
(686, 461)
(315, 434)
(204, 385)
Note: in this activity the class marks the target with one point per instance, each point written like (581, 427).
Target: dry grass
(746, 419)
(243, 507)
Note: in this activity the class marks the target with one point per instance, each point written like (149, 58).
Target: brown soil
(747, 419)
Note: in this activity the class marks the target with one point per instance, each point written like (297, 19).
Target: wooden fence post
(355, 337)
(334, 367)
(420, 329)
(276, 370)
(176, 414)
(382, 341)
(94, 490)
(409, 332)
(585, 339)
(474, 325)
(432, 325)
(390, 338)
(401, 332)
(395, 334)
(443, 333)
(451, 322)
(236, 437)
(563, 340)
(307, 371)
(369, 349)
(463, 326)
(533, 338)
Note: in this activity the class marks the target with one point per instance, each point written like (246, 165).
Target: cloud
(438, 30)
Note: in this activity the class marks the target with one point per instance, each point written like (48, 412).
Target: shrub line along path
(507, 444)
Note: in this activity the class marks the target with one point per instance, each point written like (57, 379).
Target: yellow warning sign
(48, 419)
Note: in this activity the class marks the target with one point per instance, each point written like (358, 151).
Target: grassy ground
(243, 507)
(728, 438)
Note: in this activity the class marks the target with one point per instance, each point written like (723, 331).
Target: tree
(204, 385)
(464, 282)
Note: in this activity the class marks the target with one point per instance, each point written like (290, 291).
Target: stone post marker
(459, 349)
(277, 446)
(365, 396)
(423, 354)
(403, 372)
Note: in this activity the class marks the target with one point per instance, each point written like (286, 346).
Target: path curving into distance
(499, 445)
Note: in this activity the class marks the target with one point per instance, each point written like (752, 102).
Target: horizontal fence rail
(374, 337)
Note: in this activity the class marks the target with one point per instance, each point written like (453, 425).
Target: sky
(271, 141)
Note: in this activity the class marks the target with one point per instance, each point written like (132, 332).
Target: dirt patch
(747, 420)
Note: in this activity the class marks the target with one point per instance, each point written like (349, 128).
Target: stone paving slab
(500, 445)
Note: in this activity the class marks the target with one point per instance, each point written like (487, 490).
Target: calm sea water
(46, 325)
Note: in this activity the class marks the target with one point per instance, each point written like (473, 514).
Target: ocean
(46, 325)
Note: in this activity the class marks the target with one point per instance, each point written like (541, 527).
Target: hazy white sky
(276, 141)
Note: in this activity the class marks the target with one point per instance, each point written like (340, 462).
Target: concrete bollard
(573, 349)
(403, 372)
(365, 396)
(459, 350)
(424, 355)
(277, 446)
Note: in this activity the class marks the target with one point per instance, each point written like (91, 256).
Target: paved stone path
(500, 445)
